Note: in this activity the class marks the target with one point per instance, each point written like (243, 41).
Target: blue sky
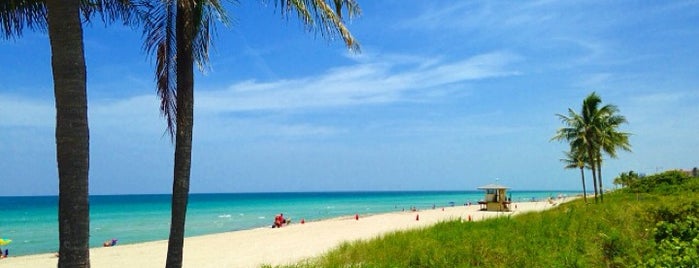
(443, 96)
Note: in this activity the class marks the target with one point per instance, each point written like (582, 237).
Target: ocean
(32, 221)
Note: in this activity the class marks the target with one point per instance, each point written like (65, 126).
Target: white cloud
(134, 115)
(22, 111)
(383, 80)
(487, 16)
(662, 98)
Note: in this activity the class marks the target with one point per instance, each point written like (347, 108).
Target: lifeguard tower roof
(492, 186)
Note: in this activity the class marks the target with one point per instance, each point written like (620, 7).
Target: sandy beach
(290, 244)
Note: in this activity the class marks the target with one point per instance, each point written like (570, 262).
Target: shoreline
(276, 246)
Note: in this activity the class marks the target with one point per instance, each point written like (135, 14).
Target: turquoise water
(32, 222)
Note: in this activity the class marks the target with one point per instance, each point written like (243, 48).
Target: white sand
(290, 244)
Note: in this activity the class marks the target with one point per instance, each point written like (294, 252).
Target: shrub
(676, 235)
(663, 183)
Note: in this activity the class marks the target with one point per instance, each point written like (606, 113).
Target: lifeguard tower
(495, 198)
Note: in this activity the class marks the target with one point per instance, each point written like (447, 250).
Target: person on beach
(110, 243)
(279, 221)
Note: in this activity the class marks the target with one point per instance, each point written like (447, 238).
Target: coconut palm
(577, 159)
(610, 138)
(72, 133)
(177, 34)
(626, 179)
(594, 131)
(600, 129)
(575, 132)
(63, 20)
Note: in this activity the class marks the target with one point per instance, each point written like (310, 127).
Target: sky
(445, 95)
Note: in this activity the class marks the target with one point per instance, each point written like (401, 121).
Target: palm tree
(610, 138)
(63, 20)
(593, 119)
(577, 159)
(178, 33)
(72, 133)
(601, 125)
(594, 131)
(575, 132)
(626, 179)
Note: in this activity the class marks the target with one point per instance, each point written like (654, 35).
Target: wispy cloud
(665, 98)
(371, 81)
(555, 30)
(484, 16)
(21, 111)
(375, 81)
(25, 112)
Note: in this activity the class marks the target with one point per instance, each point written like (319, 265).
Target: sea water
(32, 222)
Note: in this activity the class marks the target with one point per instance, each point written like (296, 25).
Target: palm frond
(575, 159)
(205, 14)
(318, 16)
(109, 11)
(159, 36)
(15, 15)
(159, 21)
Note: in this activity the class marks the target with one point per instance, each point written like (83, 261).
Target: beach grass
(620, 232)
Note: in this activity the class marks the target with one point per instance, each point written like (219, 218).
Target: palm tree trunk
(183, 136)
(594, 174)
(72, 132)
(594, 182)
(582, 175)
(599, 178)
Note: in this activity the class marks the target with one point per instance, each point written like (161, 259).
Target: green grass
(620, 232)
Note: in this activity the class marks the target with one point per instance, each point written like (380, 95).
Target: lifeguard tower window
(490, 191)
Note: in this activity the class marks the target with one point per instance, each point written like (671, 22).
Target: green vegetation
(654, 228)
(669, 182)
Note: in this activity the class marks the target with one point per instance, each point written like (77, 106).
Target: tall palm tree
(593, 118)
(63, 20)
(72, 133)
(601, 125)
(178, 33)
(594, 131)
(576, 133)
(610, 138)
(577, 159)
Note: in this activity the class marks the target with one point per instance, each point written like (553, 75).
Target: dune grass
(652, 223)
(616, 233)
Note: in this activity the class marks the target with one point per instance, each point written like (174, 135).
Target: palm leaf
(17, 14)
(113, 10)
(160, 43)
(318, 16)
(159, 36)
